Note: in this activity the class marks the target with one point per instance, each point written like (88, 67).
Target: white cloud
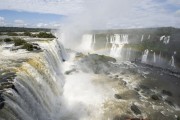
(19, 23)
(102, 13)
(175, 2)
(48, 25)
(177, 13)
(63, 7)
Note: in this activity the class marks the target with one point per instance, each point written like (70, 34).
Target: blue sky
(30, 18)
(90, 13)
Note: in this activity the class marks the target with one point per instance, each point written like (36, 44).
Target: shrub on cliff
(12, 34)
(18, 42)
(28, 46)
(27, 34)
(8, 40)
(45, 35)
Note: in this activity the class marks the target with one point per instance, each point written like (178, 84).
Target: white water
(129, 54)
(118, 41)
(165, 39)
(94, 42)
(87, 43)
(142, 38)
(172, 62)
(144, 56)
(39, 83)
(149, 37)
(107, 41)
(154, 57)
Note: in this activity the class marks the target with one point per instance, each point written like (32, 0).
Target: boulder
(165, 92)
(155, 97)
(169, 102)
(96, 63)
(117, 96)
(135, 109)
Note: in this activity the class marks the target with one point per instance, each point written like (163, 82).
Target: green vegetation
(8, 40)
(156, 46)
(45, 35)
(28, 46)
(27, 33)
(18, 42)
(12, 34)
(21, 29)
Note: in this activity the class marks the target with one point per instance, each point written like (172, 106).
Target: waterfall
(154, 57)
(159, 58)
(118, 41)
(87, 43)
(94, 42)
(142, 38)
(149, 37)
(165, 39)
(107, 41)
(172, 62)
(129, 54)
(144, 56)
(38, 85)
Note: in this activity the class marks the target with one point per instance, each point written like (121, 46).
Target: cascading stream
(38, 86)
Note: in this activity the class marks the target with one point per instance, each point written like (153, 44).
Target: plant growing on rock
(18, 42)
(28, 46)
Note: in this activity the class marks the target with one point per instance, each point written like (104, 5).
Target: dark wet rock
(117, 96)
(96, 63)
(1, 101)
(160, 116)
(137, 89)
(116, 76)
(70, 71)
(5, 85)
(177, 117)
(1, 105)
(9, 76)
(144, 87)
(169, 102)
(135, 109)
(14, 88)
(165, 92)
(121, 117)
(135, 119)
(79, 55)
(155, 97)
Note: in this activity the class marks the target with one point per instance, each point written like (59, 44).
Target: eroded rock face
(96, 63)
(6, 79)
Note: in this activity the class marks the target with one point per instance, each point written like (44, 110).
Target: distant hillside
(22, 29)
(159, 30)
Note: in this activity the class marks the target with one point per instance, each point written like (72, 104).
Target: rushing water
(39, 85)
(53, 85)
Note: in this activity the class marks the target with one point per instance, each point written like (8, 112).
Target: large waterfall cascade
(38, 83)
(142, 38)
(88, 42)
(171, 62)
(117, 41)
(144, 56)
(107, 41)
(165, 39)
(154, 57)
